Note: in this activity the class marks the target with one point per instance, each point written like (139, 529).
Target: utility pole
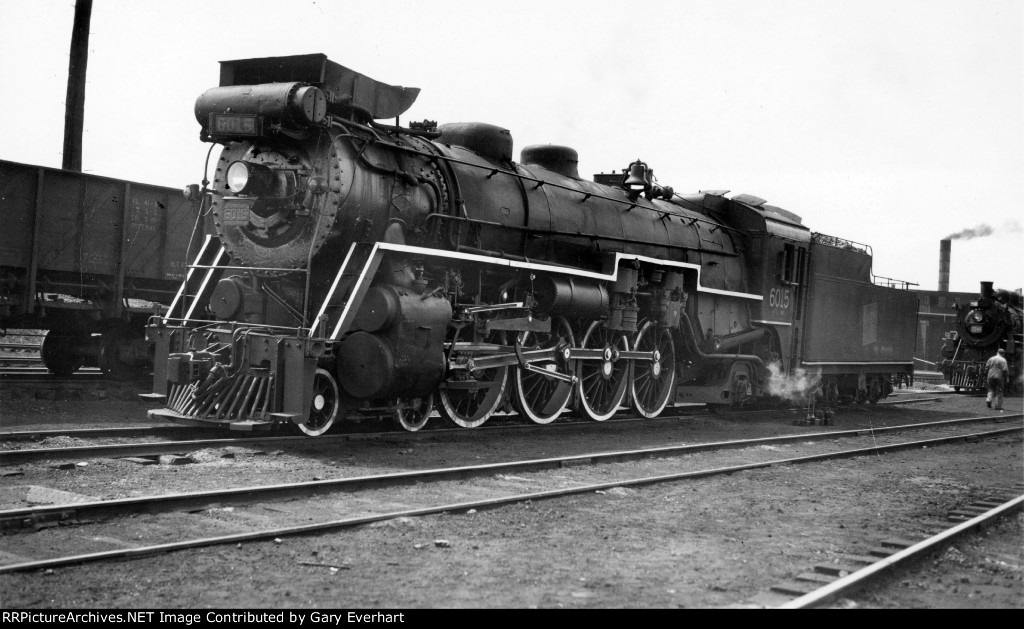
(74, 107)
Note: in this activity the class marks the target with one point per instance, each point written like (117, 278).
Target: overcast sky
(891, 123)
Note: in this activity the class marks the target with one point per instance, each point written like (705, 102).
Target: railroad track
(87, 383)
(37, 375)
(482, 498)
(827, 582)
(432, 428)
(29, 455)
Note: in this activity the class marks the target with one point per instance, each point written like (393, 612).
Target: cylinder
(944, 250)
(986, 290)
(366, 365)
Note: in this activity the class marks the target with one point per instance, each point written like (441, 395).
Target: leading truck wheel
(61, 352)
(325, 406)
(412, 414)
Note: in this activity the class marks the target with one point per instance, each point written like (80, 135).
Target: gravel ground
(718, 542)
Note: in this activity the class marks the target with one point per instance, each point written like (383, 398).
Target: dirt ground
(718, 542)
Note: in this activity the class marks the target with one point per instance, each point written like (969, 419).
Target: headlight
(250, 179)
(238, 176)
(975, 316)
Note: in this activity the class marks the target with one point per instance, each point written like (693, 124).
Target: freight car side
(86, 258)
(857, 335)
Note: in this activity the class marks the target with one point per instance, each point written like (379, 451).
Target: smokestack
(944, 247)
(986, 290)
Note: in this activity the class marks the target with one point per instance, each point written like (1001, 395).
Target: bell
(636, 181)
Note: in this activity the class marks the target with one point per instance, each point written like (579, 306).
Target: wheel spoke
(470, 408)
(413, 414)
(602, 383)
(538, 397)
(320, 420)
(651, 389)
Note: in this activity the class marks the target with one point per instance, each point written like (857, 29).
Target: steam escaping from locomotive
(797, 386)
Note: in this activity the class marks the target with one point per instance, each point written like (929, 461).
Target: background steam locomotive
(983, 326)
(354, 266)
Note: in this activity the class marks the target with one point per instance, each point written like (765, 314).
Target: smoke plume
(979, 231)
(982, 230)
(795, 388)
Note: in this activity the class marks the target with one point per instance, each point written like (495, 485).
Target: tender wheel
(602, 383)
(874, 391)
(652, 383)
(538, 397)
(325, 406)
(61, 352)
(831, 392)
(471, 401)
(413, 414)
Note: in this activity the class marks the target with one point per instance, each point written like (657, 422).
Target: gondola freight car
(88, 259)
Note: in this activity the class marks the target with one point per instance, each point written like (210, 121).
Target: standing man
(997, 374)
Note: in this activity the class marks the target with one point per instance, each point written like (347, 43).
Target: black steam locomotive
(984, 325)
(361, 267)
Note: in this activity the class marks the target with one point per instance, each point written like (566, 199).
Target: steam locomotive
(354, 266)
(984, 325)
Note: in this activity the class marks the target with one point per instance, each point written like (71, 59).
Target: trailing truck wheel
(325, 406)
(652, 383)
(61, 352)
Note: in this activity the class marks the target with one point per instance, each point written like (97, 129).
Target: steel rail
(477, 504)
(94, 433)
(858, 578)
(194, 500)
(27, 455)
(41, 369)
(88, 433)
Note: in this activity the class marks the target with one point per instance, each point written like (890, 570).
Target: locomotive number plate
(234, 124)
(236, 211)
